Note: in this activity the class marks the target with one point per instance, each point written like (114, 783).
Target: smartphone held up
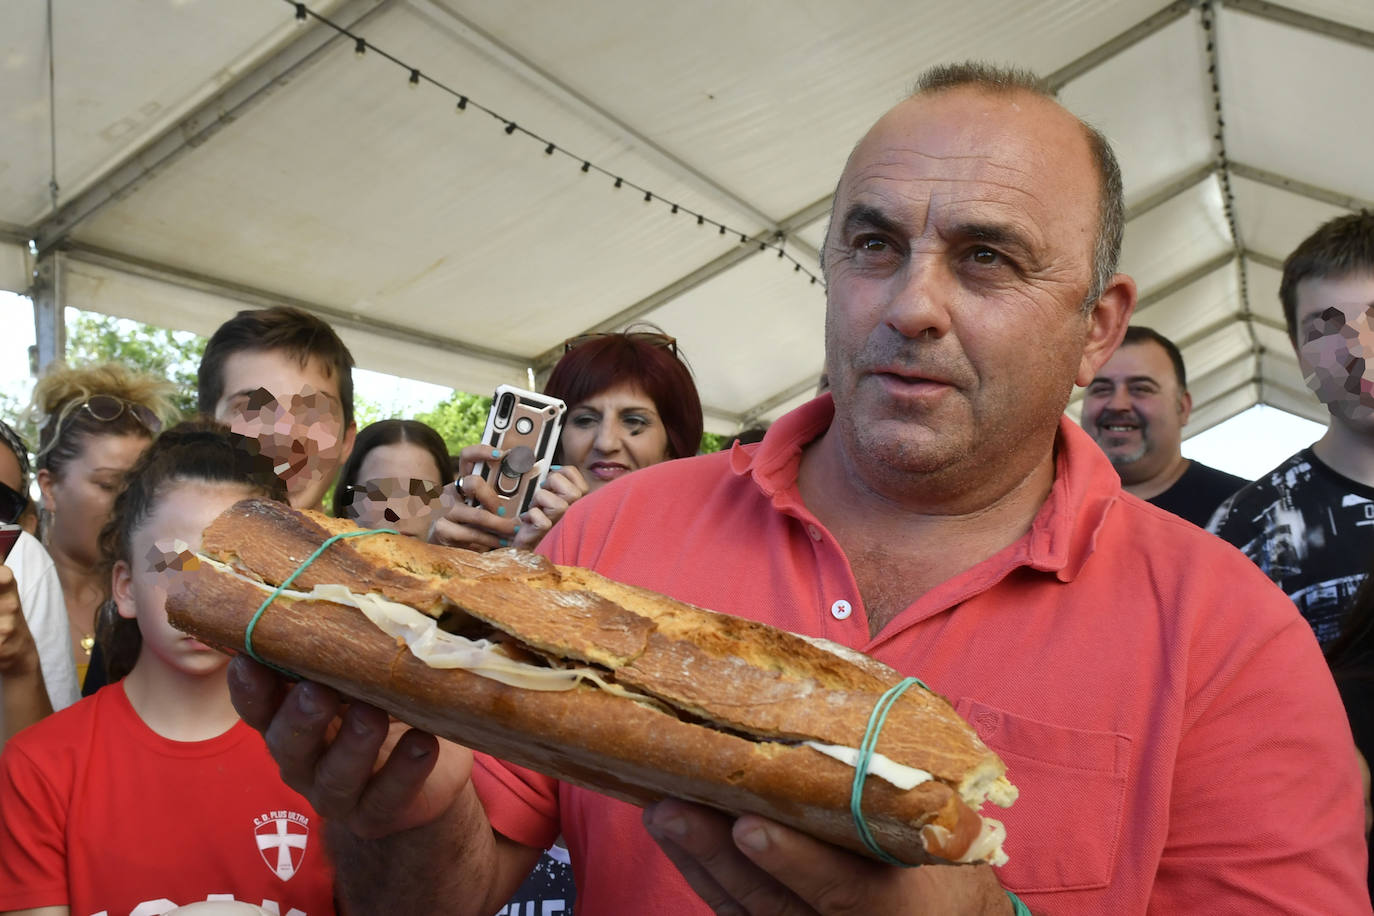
(524, 426)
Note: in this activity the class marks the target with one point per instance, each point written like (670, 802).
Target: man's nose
(1120, 399)
(921, 294)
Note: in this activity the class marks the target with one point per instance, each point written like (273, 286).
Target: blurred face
(294, 414)
(81, 497)
(613, 433)
(1135, 411)
(1335, 344)
(958, 258)
(399, 486)
(159, 548)
(12, 476)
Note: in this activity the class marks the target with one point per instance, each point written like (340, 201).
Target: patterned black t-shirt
(1310, 530)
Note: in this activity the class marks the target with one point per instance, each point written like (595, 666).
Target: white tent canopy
(211, 153)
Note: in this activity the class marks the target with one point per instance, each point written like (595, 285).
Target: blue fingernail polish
(504, 543)
(555, 467)
(501, 511)
(517, 526)
(496, 453)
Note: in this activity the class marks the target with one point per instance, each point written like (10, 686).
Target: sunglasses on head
(107, 408)
(650, 337)
(12, 504)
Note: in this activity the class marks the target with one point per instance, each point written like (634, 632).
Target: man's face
(1335, 345)
(958, 259)
(294, 414)
(1135, 411)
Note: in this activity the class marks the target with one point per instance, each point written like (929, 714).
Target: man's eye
(870, 243)
(985, 256)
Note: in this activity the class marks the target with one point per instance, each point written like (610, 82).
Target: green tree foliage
(460, 419)
(173, 355)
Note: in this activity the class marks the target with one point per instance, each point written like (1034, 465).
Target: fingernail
(501, 511)
(517, 526)
(755, 840)
(360, 728)
(504, 543)
(417, 751)
(307, 702)
(555, 467)
(496, 453)
(674, 827)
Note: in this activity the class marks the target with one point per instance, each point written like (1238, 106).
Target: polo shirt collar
(1064, 531)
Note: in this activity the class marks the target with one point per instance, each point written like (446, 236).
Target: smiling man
(1135, 408)
(1309, 523)
(940, 514)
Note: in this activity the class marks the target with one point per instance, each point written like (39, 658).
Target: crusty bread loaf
(720, 706)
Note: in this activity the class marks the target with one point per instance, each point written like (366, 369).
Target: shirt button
(814, 532)
(841, 610)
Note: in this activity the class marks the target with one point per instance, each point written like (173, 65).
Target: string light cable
(415, 76)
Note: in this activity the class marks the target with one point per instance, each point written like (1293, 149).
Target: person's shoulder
(29, 555)
(668, 481)
(1215, 477)
(68, 728)
(1238, 511)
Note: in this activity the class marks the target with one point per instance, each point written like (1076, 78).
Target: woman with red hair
(631, 403)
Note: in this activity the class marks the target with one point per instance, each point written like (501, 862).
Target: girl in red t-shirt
(152, 794)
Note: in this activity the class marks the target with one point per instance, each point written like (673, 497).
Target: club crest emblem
(281, 838)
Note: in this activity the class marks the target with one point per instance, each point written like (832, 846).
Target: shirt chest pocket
(1064, 830)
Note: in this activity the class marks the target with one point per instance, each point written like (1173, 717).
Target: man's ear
(122, 590)
(1185, 408)
(45, 482)
(1107, 323)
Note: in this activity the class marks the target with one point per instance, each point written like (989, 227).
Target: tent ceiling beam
(750, 417)
(1265, 259)
(803, 217)
(13, 234)
(1223, 324)
(1113, 46)
(596, 115)
(1170, 191)
(259, 298)
(225, 107)
(1184, 280)
(1303, 188)
(1276, 12)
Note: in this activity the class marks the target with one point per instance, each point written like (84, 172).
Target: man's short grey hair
(1111, 216)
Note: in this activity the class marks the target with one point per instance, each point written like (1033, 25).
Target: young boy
(1307, 523)
(283, 378)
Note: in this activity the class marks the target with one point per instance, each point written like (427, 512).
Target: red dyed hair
(634, 359)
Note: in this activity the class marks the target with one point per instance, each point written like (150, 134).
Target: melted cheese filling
(899, 774)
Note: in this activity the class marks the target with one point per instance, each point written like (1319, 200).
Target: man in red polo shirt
(1163, 710)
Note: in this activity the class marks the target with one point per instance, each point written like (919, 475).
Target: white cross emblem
(285, 843)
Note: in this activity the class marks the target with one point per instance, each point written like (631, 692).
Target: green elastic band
(252, 624)
(1017, 907)
(875, 726)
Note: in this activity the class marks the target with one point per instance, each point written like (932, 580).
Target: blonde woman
(93, 424)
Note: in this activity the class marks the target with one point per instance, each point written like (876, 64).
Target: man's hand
(372, 776)
(757, 867)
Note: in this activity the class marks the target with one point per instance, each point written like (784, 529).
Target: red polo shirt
(1165, 712)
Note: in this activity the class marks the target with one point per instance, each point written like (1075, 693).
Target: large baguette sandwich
(611, 687)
